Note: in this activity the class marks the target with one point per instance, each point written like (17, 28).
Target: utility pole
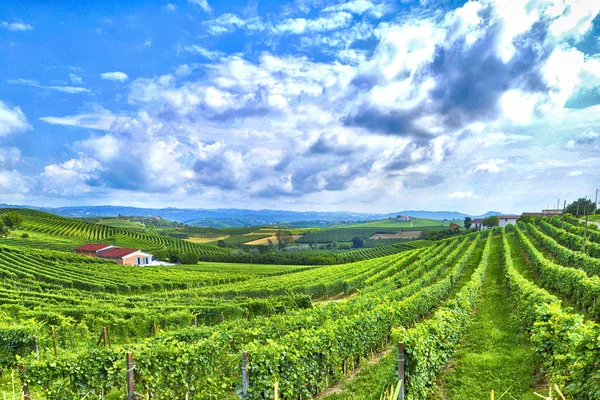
(596, 203)
(563, 215)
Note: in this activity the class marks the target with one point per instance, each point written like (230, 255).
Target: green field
(121, 223)
(396, 224)
(508, 311)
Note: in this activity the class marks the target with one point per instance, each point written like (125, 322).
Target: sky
(356, 105)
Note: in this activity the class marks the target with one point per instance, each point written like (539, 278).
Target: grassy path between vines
(494, 354)
(377, 375)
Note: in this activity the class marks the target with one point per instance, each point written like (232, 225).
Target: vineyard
(41, 222)
(74, 327)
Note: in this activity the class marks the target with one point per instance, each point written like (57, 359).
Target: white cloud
(100, 120)
(71, 176)
(34, 83)
(203, 4)
(171, 7)
(226, 23)
(502, 139)
(13, 184)
(493, 166)
(204, 52)
(575, 173)
(463, 195)
(114, 76)
(9, 157)
(75, 79)
(16, 26)
(328, 22)
(12, 120)
(358, 7)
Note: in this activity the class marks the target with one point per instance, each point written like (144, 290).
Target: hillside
(442, 301)
(224, 218)
(45, 224)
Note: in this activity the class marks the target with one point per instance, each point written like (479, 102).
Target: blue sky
(362, 105)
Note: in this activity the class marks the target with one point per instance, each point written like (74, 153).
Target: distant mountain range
(233, 217)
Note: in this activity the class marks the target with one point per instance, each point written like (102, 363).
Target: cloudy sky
(361, 105)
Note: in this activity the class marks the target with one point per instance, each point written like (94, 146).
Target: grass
(372, 380)
(494, 354)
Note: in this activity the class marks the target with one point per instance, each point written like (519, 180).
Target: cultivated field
(511, 311)
(397, 235)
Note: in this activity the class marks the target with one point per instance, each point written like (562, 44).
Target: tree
(221, 243)
(492, 221)
(12, 220)
(577, 207)
(284, 238)
(3, 229)
(468, 222)
(357, 242)
(189, 258)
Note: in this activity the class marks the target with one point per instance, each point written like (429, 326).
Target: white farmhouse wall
(502, 222)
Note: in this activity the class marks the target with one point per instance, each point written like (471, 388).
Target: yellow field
(266, 240)
(397, 235)
(206, 240)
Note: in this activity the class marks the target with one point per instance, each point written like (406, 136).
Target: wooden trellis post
(54, 342)
(401, 360)
(245, 378)
(276, 391)
(36, 348)
(129, 373)
(106, 336)
(26, 394)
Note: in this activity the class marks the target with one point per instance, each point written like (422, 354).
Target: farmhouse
(126, 256)
(507, 220)
(117, 254)
(503, 220)
(92, 249)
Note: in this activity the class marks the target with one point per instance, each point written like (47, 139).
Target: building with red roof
(92, 249)
(123, 256)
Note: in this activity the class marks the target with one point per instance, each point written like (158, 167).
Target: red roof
(92, 247)
(116, 252)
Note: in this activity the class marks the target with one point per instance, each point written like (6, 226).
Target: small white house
(503, 220)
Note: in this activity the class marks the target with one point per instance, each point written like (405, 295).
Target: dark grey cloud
(470, 81)
(331, 145)
(397, 122)
(421, 181)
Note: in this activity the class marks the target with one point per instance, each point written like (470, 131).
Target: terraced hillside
(50, 224)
